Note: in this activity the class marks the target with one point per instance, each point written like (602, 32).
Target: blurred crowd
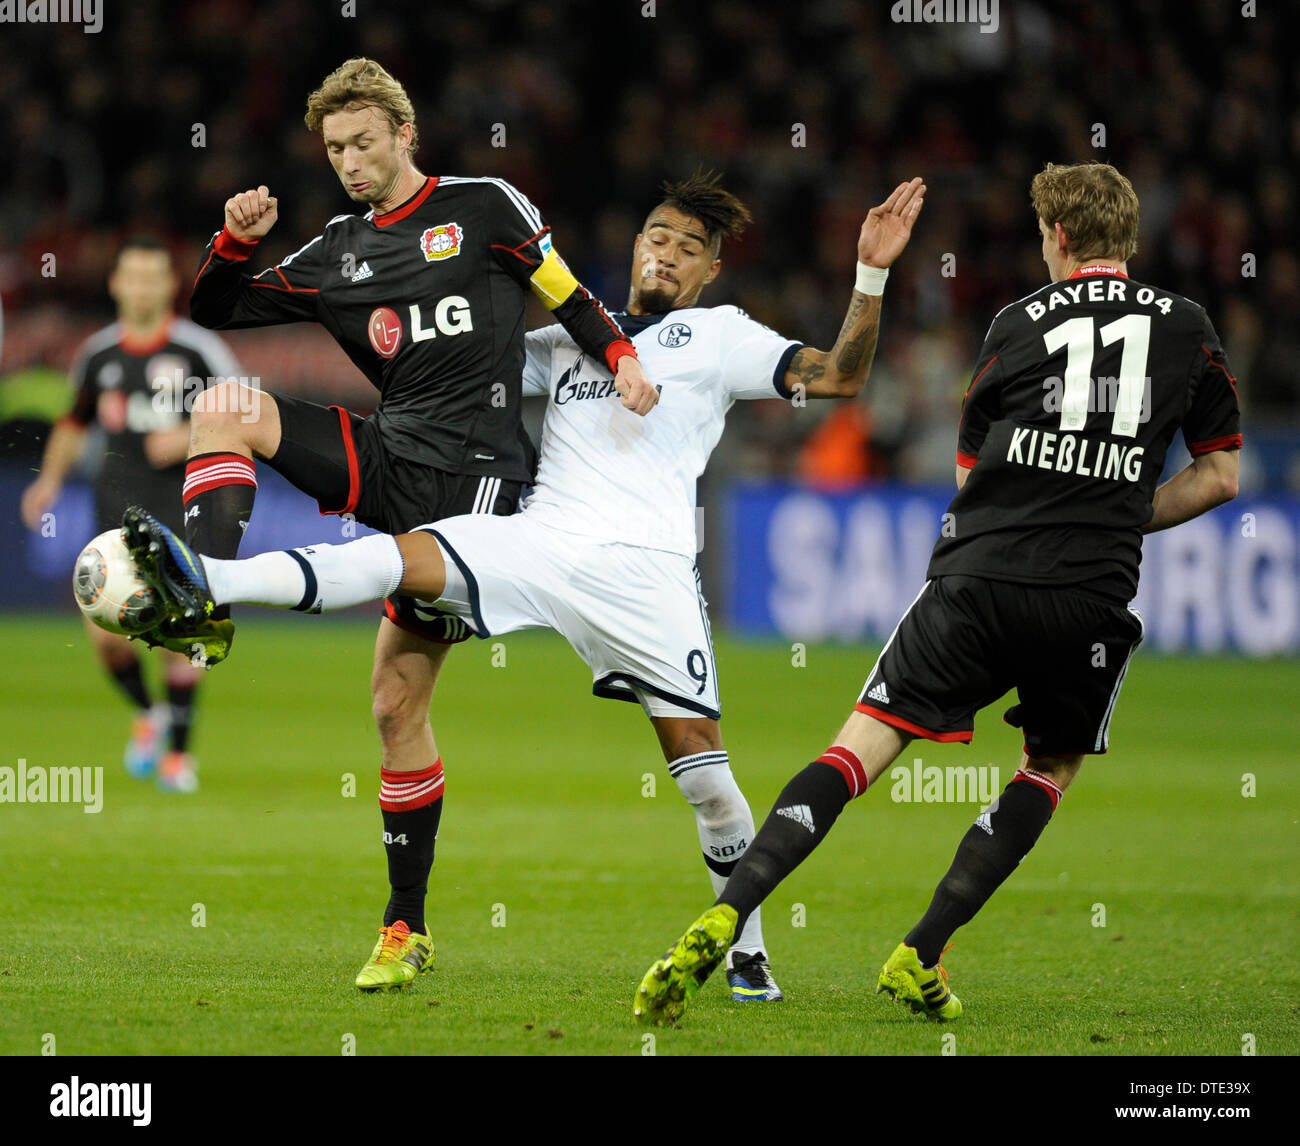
(813, 111)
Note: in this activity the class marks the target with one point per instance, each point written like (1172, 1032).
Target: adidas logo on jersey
(363, 272)
(879, 692)
(800, 814)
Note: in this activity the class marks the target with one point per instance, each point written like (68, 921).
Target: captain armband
(552, 282)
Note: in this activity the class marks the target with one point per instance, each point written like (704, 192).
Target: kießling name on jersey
(1097, 290)
(1071, 454)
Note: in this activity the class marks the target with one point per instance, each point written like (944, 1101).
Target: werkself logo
(77, 1099)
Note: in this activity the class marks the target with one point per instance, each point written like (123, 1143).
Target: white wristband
(871, 280)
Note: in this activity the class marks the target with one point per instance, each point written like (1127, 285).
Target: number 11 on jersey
(1125, 396)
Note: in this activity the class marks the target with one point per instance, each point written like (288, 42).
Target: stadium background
(1196, 102)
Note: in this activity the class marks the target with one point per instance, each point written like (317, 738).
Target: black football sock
(989, 852)
(411, 803)
(218, 498)
(800, 819)
(181, 697)
(130, 679)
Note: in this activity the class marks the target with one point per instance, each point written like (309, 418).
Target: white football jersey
(607, 473)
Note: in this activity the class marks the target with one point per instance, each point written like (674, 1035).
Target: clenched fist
(638, 392)
(251, 214)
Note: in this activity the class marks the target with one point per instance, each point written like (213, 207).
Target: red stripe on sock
(849, 766)
(212, 471)
(1043, 782)
(406, 791)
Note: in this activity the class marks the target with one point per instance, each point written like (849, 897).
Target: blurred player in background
(604, 548)
(135, 379)
(1078, 391)
(426, 293)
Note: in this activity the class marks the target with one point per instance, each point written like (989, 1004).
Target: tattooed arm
(842, 371)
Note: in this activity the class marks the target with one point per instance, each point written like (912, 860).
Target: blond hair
(1094, 203)
(358, 83)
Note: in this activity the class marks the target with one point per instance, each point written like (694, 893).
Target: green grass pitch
(559, 879)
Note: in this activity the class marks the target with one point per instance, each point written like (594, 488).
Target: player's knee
(684, 737)
(1061, 770)
(228, 404)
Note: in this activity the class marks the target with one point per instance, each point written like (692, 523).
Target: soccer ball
(110, 590)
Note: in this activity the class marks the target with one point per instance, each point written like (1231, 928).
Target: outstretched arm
(842, 371)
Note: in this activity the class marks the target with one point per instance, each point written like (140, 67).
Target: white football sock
(368, 569)
(725, 825)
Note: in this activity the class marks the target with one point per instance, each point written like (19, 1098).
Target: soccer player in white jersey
(603, 550)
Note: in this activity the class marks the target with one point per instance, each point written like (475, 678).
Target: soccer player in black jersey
(1078, 391)
(426, 293)
(611, 507)
(135, 379)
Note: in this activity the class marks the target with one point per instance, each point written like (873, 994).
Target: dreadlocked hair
(702, 197)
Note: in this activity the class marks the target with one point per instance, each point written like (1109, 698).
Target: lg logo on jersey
(450, 316)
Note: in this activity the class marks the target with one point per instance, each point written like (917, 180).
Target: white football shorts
(636, 616)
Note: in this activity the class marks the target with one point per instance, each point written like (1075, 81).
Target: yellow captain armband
(553, 282)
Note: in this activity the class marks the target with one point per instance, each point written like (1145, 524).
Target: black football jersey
(429, 301)
(1079, 390)
(132, 388)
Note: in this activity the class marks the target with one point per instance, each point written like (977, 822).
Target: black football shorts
(966, 641)
(339, 459)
